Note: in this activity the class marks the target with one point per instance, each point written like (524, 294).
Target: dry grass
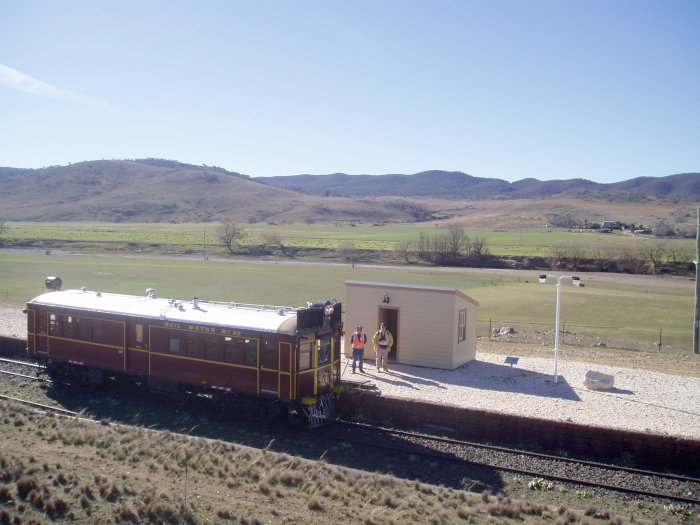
(58, 469)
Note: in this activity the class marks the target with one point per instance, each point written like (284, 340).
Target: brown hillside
(130, 191)
(155, 190)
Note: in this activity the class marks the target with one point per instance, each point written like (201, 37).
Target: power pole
(697, 286)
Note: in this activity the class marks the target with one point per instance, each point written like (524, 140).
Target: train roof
(274, 319)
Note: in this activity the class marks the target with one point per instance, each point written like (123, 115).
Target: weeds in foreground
(134, 476)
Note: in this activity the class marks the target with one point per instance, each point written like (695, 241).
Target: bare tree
(629, 259)
(275, 240)
(230, 234)
(477, 247)
(2, 231)
(655, 252)
(348, 252)
(402, 250)
(455, 241)
(603, 256)
(566, 255)
(664, 229)
(423, 247)
(679, 254)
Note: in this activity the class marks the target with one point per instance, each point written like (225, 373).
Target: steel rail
(32, 404)
(526, 472)
(25, 376)
(23, 363)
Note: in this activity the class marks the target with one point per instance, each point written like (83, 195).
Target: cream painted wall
(427, 322)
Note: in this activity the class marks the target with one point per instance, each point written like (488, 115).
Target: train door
(286, 366)
(270, 365)
(39, 341)
(390, 316)
(136, 360)
(31, 332)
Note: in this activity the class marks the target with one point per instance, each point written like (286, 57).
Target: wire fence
(651, 339)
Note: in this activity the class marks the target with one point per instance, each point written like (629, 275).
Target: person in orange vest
(383, 341)
(357, 341)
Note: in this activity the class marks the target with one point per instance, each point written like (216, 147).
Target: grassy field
(59, 470)
(621, 311)
(198, 238)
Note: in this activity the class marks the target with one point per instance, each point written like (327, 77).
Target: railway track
(541, 468)
(22, 369)
(40, 406)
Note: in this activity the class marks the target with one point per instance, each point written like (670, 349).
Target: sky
(604, 90)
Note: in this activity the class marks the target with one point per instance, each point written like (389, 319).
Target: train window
(54, 327)
(269, 355)
(305, 356)
(251, 352)
(97, 333)
(212, 347)
(68, 326)
(174, 345)
(229, 350)
(138, 333)
(324, 351)
(83, 329)
(42, 324)
(193, 345)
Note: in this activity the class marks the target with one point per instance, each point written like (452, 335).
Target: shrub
(5, 494)
(56, 507)
(25, 485)
(161, 512)
(124, 512)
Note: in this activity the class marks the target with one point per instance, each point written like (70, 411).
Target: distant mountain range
(455, 184)
(157, 190)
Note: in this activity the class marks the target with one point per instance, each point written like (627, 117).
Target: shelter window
(462, 326)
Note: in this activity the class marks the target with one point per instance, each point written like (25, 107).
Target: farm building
(432, 326)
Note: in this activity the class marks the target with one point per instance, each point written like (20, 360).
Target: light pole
(575, 281)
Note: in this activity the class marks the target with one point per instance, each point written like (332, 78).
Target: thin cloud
(17, 80)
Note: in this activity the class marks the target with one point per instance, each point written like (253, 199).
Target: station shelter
(432, 326)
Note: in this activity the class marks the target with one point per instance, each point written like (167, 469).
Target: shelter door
(390, 316)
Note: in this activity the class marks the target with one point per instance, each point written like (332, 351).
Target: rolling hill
(155, 190)
(455, 184)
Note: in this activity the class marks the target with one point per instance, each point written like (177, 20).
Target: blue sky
(602, 90)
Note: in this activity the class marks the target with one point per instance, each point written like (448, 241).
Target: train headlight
(328, 310)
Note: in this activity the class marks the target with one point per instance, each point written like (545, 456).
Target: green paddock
(631, 309)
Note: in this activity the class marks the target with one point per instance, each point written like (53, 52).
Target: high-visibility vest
(358, 340)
